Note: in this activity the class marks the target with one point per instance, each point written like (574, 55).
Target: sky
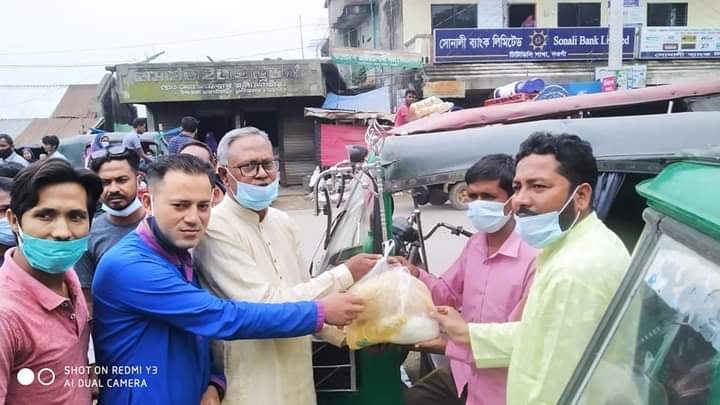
(47, 42)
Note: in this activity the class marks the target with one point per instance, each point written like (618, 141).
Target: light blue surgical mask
(488, 216)
(125, 212)
(543, 229)
(7, 236)
(52, 256)
(256, 198)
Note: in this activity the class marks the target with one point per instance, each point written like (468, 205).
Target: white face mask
(488, 216)
(125, 212)
(104, 144)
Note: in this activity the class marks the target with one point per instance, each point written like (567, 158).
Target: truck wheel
(438, 196)
(458, 196)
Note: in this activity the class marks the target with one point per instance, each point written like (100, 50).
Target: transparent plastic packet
(397, 308)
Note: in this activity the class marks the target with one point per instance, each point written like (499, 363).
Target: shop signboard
(376, 58)
(679, 43)
(626, 77)
(167, 82)
(460, 45)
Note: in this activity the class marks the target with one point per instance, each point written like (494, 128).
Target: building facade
(371, 25)
(411, 25)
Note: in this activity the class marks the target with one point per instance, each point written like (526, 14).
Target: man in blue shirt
(153, 323)
(189, 128)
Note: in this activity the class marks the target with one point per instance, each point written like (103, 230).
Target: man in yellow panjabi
(578, 271)
(251, 252)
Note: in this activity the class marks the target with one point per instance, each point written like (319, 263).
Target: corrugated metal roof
(13, 127)
(80, 100)
(29, 101)
(340, 115)
(30, 112)
(60, 127)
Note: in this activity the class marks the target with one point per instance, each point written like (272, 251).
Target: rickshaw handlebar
(455, 230)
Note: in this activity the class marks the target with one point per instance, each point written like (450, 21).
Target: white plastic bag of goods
(397, 308)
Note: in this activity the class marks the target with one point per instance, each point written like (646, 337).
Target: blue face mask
(487, 216)
(543, 229)
(7, 236)
(256, 198)
(52, 256)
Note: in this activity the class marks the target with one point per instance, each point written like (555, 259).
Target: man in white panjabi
(251, 252)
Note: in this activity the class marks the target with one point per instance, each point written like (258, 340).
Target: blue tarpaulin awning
(373, 101)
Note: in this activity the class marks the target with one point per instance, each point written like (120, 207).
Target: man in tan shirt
(251, 252)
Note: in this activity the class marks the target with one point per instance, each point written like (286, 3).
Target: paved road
(443, 247)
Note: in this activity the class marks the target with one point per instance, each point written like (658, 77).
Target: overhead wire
(184, 41)
(72, 66)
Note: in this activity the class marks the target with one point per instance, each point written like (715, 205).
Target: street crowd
(187, 287)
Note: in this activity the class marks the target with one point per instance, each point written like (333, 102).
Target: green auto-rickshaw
(665, 317)
(629, 150)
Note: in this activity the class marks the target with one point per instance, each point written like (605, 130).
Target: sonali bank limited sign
(151, 82)
(526, 44)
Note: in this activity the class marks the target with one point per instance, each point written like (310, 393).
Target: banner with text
(162, 82)
(455, 45)
(679, 43)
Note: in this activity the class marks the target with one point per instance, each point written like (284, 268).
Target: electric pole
(302, 43)
(615, 34)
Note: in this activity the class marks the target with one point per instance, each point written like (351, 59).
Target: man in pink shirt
(402, 116)
(44, 320)
(488, 282)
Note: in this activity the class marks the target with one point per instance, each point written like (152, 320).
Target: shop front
(270, 95)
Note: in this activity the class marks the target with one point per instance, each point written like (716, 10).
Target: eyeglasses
(253, 168)
(113, 151)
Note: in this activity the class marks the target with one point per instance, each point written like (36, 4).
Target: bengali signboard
(453, 45)
(164, 82)
(679, 43)
(371, 57)
(626, 77)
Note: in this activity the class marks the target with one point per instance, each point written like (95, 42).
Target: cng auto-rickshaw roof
(688, 192)
(631, 143)
(518, 112)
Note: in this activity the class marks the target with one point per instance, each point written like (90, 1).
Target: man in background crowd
(203, 152)
(117, 168)
(188, 130)
(402, 116)
(132, 140)
(7, 151)
(7, 236)
(51, 144)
